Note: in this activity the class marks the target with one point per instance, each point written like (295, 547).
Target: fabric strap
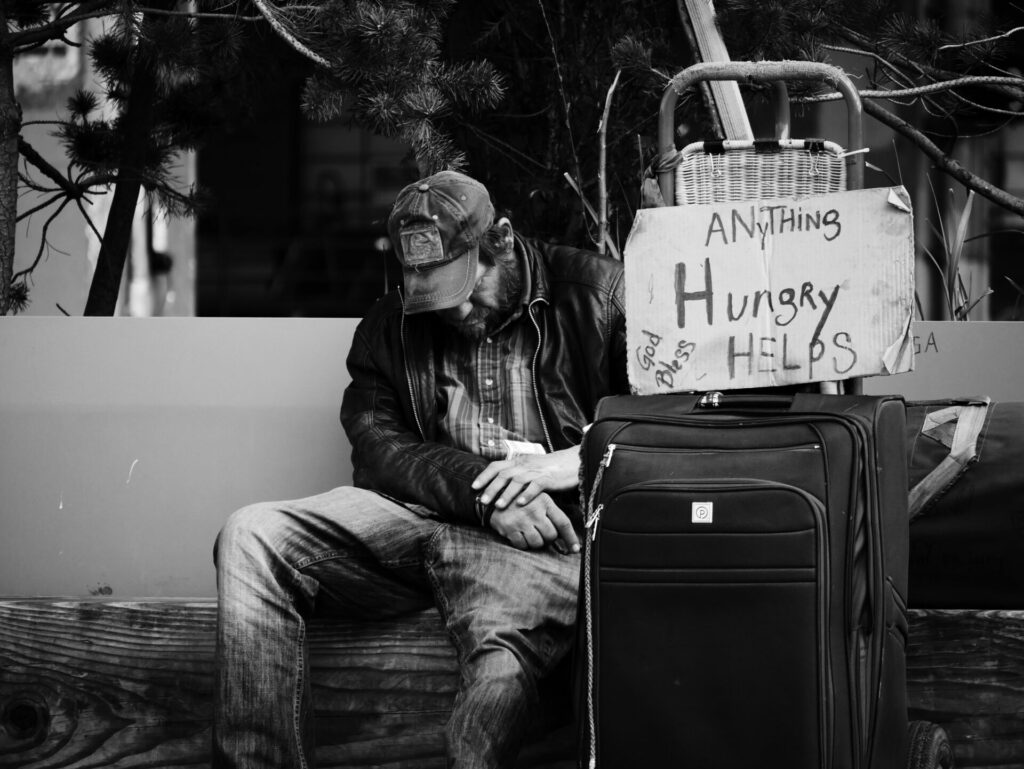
(957, 427)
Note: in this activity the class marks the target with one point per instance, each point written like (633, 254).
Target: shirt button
(490, 443)
(489, 340)
(490, 420)
(488, 381)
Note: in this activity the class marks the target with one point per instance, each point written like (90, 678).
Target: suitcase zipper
(592, 517)
(818, 508)
(746, 450)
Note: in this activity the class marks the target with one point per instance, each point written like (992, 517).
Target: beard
(479, 323)
(483, 321)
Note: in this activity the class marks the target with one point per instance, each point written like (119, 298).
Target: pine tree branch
(33, 185)
(45, 204)
(200, 14)
(894, 72)
(42, 244)
(103, 180)
(936, 73)
(264, 8)
(30, 154)
(944, 162)
(24, 40)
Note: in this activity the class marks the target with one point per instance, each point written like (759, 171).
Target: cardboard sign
(770, 292)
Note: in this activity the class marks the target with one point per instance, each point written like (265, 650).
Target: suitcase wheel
(928, 746)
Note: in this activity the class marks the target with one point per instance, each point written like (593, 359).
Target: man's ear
(506, 233)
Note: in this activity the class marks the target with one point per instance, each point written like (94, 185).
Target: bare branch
(945, 85)
(982, 41)
(89, 221)
(945, 163)
(42, 244)
(565, 105)
(511, 152)
(602, 182)
(45, 204)
(590, 210)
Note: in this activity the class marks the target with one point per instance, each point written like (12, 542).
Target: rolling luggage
(744, 582)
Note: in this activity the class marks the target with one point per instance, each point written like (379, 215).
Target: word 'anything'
(780, 219)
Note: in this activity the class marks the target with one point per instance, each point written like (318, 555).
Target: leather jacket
(389, 410)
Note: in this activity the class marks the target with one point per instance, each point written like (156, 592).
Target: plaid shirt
(486, 389)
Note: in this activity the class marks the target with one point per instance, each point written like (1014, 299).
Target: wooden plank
(965, 671)
(726, 94)
(129, 684)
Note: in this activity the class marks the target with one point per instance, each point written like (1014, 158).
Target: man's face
(494, 296)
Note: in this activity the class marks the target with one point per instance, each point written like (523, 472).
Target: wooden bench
(104, 682)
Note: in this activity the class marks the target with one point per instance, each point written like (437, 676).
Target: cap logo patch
(421, 245)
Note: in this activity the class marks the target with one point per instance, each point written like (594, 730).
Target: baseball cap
(435, 226)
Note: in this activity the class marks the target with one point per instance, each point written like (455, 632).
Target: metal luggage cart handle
(774, 72)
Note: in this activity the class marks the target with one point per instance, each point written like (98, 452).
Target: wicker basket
(735, 170)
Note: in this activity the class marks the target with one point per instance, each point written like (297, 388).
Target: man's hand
(524, 477)
(535, 524)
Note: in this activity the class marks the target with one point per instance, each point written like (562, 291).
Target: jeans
(510, 615)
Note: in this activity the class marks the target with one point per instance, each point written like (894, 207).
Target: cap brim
(441, 287)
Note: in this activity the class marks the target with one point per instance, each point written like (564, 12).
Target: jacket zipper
(408, 380)
(533, 376)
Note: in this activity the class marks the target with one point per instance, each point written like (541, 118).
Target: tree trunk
(117, 235)
(10, 128)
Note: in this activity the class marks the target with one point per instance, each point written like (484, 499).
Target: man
(469, 396)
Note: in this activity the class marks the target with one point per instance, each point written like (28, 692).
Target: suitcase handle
(765, 401)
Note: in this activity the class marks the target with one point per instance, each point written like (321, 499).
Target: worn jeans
(510, 615)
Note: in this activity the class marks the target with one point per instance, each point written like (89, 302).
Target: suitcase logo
(702, 512)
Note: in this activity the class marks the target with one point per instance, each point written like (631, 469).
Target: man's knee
(245, 531)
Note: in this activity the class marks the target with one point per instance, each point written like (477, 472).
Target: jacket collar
(536, 281)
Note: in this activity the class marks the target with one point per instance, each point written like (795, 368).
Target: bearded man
(470, 393)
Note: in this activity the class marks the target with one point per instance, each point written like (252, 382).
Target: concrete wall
(124, 443)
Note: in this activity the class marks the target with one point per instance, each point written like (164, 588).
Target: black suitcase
(744, 581)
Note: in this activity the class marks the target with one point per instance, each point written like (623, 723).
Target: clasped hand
(518, 488)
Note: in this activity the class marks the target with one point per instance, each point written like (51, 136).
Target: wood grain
(965, 671)
(93, 683)
(129, 684)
